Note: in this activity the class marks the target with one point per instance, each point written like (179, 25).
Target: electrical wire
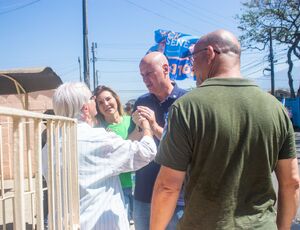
(231, 20)
(192, 12)
(162, 16)
(113, 72)
(247, 75)
(250, 67)
(19, 7)
(117, 60)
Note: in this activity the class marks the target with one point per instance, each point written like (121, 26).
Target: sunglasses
(192, 56)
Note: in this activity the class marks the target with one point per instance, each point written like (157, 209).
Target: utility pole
(86, 71)
(79, 62)
(272, 64)
(94, 59)
(97, 77)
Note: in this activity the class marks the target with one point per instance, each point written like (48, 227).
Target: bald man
(154, 107)
(228, 136)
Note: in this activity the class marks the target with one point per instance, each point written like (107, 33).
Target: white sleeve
(104, 154)
(129, 155)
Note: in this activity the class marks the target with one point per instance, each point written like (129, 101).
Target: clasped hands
(144, 117)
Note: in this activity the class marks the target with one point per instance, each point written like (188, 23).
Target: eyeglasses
(192, 56)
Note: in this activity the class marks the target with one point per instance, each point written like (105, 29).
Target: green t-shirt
(228, 135)
(122, 130)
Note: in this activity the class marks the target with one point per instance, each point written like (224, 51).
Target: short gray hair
(69, 99)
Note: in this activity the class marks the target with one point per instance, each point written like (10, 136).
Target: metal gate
(22, 196)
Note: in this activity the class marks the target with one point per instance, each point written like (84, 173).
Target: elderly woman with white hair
(101, 159)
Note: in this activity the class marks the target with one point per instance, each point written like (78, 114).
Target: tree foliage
(281, 18)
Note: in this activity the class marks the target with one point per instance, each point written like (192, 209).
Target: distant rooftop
(16, 81)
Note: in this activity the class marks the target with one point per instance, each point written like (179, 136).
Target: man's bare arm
(165, 195)
(288, 192)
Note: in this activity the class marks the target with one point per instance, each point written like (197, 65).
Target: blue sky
(38, 33)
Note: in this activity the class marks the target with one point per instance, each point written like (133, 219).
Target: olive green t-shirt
(122, 130)
(228, 135)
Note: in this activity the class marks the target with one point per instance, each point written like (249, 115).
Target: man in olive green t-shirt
(226, 137)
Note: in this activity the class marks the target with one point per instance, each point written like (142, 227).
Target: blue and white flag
(177, 47)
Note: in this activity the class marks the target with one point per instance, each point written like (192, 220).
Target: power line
(161, 16)
(277, 80)
(70, 71)
(250, 63)
(113, 72)
(210, 12)
(12, 4)
(255, 64)
(125, 48)
(124, 44)
(262, 78)
(117, 60)
(182, 8)
(250, 53)
(121, 58)
(20, 7)
(247, 76)
(285, 62)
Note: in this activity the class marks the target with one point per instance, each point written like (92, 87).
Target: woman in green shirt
(111, 117)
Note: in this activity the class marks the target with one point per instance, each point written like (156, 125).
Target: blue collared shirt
(145, 177)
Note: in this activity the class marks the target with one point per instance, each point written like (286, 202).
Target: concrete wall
(38, 102)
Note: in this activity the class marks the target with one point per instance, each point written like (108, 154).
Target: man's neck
(231, 75)
(91, 122)
(165, 92)
(227, 73)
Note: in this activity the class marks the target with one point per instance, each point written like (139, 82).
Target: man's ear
(210, 54)
(165, 68)
(85, 109)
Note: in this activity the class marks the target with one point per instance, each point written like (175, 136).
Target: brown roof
(28, 80)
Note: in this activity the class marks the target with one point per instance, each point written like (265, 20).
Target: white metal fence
(22, 196)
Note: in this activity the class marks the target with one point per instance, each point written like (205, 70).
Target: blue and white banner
(178, 48)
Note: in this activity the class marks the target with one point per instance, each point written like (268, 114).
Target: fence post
(18, 132)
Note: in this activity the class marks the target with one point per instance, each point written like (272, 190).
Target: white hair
(69, 99)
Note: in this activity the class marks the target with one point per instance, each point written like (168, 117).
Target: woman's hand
(137, 118)
(148, 114)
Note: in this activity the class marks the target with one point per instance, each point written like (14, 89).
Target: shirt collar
(225, 81)
(175, 93)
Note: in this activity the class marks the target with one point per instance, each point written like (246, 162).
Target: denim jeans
(141, 216)
(128, 202)
(178, 213)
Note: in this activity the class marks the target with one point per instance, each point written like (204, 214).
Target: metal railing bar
(58, 176)
(19, 220)
(27, 114)
(38, 175)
